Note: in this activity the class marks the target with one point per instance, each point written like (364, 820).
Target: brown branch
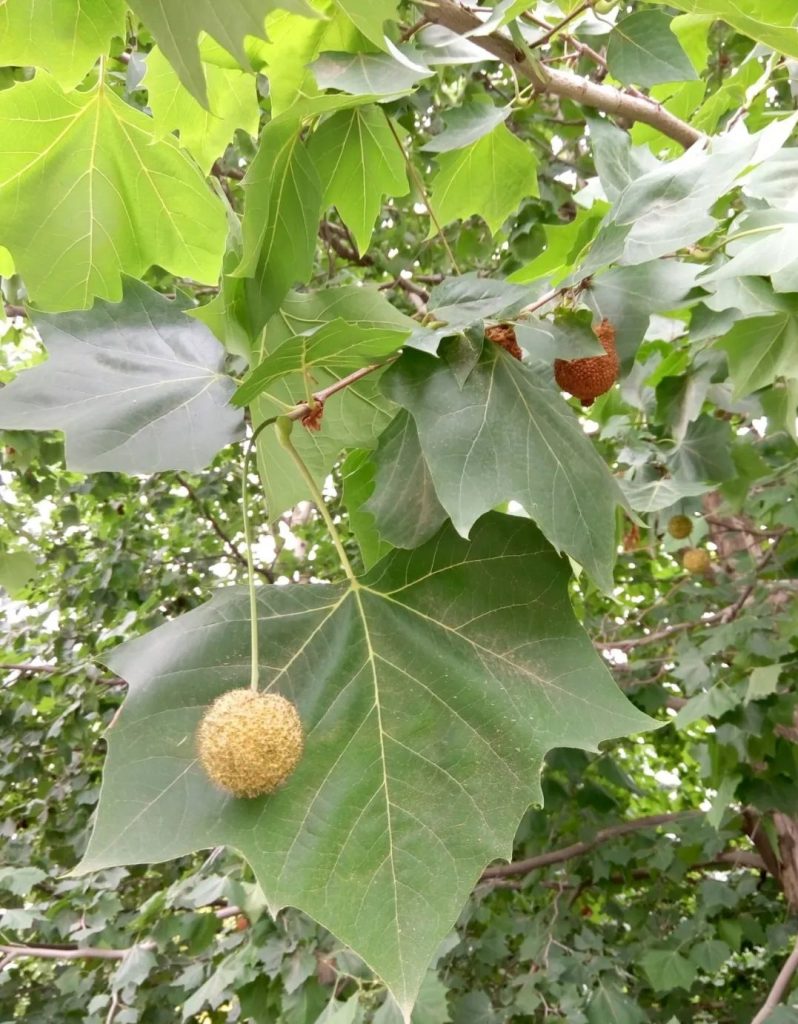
(12, 310)
(303, 408)
(542, 860)
(561, 83)
(14, 952)
(219, 531)
(780, 986)
(542, 40)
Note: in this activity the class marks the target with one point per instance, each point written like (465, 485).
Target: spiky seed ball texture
(250, 742)
(503, 335)
(696, 560)
(680, 527)
(588, 378)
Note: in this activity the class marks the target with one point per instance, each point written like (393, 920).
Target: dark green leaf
(465, 125)
(642, 50)
(667, 969)
(136, 386)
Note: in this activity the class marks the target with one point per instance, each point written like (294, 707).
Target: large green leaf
(177, 24)
(136, 387)
(642, 50)
(93, 188)
(490, 177)
(365, 74)
(506, 433)
(767, 245)
(281, 215)
(232, 99)
(429, 692)
(64, 38)
(358, 161)
(370, 17)
(770, 21)
(760, 350)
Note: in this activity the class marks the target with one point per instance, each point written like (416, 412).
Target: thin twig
(542, 40)
(780, 986)
(15, 952)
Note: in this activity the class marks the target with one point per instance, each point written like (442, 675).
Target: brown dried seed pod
(504, 336)
(249, 742)
(588, 378)
(696, 560)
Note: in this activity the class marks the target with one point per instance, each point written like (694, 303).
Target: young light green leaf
(337, 346)
(232, 99)
(281, 215)
(401, 476)
(64, 38)
(176, 26)
(763, 682)
(16, 569)
(122, 381)
(358, 161)
(771, 22)
(642, 50)
(409, 761)
(506, 433)
(357, 479)
(370, 17)
(117, 216)
(488, 178)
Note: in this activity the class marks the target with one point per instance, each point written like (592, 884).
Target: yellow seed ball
(249, 742)
(680, 527)
(696, 560)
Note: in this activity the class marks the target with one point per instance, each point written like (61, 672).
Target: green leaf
(710, 955)
(769, 21)
(117, 216)
(488, 178)
(370, 17)
(362, 74)
(568, 337)
(281, 215)
(358, 161)
(410, 762)
(767, 245)
(760, 350)
(610, 1006)
(232, 99)
(711, 704)
(763, 682)
(357, 478)
(404, 504)
(431, 1007)
(64, 38)
(176, 26)
(506, 433)
(704, 452)
(642, 50)
(667, 969)
(17, 568)
(466, 125)
(20, 881)
(337, 346)
(659, 494)
(136, 387)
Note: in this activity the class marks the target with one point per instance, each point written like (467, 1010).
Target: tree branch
(457, 19)
(780, 986)
(542, 860)
(14, 952)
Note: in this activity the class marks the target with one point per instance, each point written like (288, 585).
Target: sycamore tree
(428, 370)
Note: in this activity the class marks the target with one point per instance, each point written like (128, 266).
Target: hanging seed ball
(588, 378)
(696, 560)
(680, 527)
(249, 742)
(503, 335)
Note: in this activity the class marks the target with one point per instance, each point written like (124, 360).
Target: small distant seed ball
(249, 743)
(503, 335)
(680, 527)
(588, 378)
(696, 560)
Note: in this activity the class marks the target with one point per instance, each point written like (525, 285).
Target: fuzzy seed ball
(680, 527)
(588, 378)
(249, 742)
(696, 560)
(503, 335)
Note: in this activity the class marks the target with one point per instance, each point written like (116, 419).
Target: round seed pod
(696, 560)
(680, 527)
(250, 742)
(503, 335)
(588, 378)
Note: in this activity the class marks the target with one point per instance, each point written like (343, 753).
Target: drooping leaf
(404, 504)
(642, 50)
(232, 101)
(176, 26)
(465, 125)
(337, 345)
(409, 761)
(506, 433)
(281, 215)
(117, 216)
(136, 387)
(362, 74)
(488, 178)
(64, 38)
(358, 161)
